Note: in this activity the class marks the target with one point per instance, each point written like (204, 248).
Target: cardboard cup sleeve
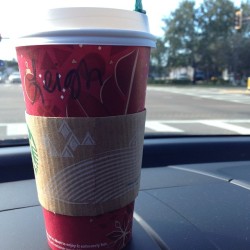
(86, 166)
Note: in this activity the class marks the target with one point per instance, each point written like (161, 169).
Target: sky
(13, 10)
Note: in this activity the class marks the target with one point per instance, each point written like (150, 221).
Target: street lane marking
(14, 129)
(167, 126)
(231, 127)
(200, 121)
(159, 127)
(213, 94)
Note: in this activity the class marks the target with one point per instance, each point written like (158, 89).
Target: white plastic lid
(87, 25)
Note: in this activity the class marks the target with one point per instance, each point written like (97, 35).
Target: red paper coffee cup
(84, 90)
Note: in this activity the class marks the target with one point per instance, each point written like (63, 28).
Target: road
(198, 110)
(172, 110)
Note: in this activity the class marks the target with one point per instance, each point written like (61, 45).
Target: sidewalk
(235, 90)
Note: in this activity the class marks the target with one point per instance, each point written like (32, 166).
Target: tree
(159, 58)
(204, 37)
(216, 19)
(181, 35)
(201, 37)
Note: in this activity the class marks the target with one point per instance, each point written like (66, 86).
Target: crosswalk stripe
(159, 127)
(16, 129)
(20, 129)
(231, 127)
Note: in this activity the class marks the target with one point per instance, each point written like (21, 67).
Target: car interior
(194, 191)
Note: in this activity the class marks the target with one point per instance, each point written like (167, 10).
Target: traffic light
(238, 19)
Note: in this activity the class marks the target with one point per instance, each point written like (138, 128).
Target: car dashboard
(194, 194)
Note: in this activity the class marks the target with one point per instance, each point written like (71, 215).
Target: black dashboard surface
(195, 206)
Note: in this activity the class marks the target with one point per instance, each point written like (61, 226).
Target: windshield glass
(199, 72)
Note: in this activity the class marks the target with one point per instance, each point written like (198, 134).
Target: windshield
(199, 72)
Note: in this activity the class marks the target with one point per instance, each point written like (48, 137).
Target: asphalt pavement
(172, 110)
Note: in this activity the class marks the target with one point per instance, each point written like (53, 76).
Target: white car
(1, 77)
(14, 77)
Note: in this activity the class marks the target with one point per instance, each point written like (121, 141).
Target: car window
(199, 74)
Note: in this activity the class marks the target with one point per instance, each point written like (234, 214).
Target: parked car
(199, 76)
(14, 77)
(2, 77)
(183, 76)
